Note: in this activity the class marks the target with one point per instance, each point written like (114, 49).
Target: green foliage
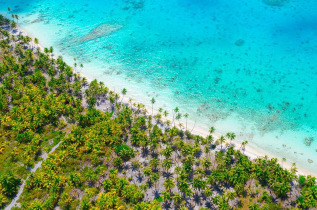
(117, 162)
(8, 184)
(124, 151)
(4, 21)
(302, 180)
(308, 195)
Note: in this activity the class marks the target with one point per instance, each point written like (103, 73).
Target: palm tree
(154, 163)
(152, 102)
(178, 117)
(165, 113)
(167, 164)
(193, 127)
(51, 50)
(199, 184)
(177, 199)
(231, 136)
(36, 41)
(206, 163)
(81, 66)
(124, 92)
(208, 192)
(75, 64)
(293, 169)
(167, 152)
(130, 101)
(155, 177)
(166, 196)
(169, 184)
(13, 24)
(186, 116)
(175, 111)
(221, 140)
(17, 17)
(211, 130)
(283, 160)
(9, 10)
(243, 145)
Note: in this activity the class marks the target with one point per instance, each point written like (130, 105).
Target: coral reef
(274, 2)
(100, 31)
(308, 141)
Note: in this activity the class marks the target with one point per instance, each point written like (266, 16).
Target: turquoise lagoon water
(243, 66)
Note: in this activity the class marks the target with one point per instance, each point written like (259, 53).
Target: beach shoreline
(251, 151)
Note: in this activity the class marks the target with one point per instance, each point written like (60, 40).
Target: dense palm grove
(59, 144)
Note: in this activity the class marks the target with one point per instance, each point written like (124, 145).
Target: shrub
(117, 162)
(124, 151)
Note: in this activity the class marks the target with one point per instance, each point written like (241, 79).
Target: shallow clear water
(243, 66)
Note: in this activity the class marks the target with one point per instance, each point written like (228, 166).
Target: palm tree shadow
(198, 154)
(126, 167)
(167, 205)
(156, 193)
(139, 178)
(145, 152)
(154, 155)
(208, 172)
(167, 174)
(149, 184)
(197, 199)
(208, 205)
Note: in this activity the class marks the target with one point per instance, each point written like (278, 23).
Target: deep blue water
(243, 66)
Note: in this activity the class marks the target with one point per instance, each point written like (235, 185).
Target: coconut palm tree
(186, 117)
(231, 136)
(124, 92)
(175, 111)
(169, 184)
(51, 50)
(167, 164)
(17, 17)
(177, 199)
(221, 140)
(13, 25)
(167, 152)
(154, 163)
(165, 113)
(206, 163)
(75, 64)
(199, 184)
(243, 145)
(155, 177)
(36, 41)
(178, 117)
(211, 130)
(81, 66)
(293, 169)
(283, 160)
(152, 102)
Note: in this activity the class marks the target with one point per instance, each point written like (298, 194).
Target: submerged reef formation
(134, 4)
(308, 141)
(274, 2)
(239, 42)
(100, 31)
